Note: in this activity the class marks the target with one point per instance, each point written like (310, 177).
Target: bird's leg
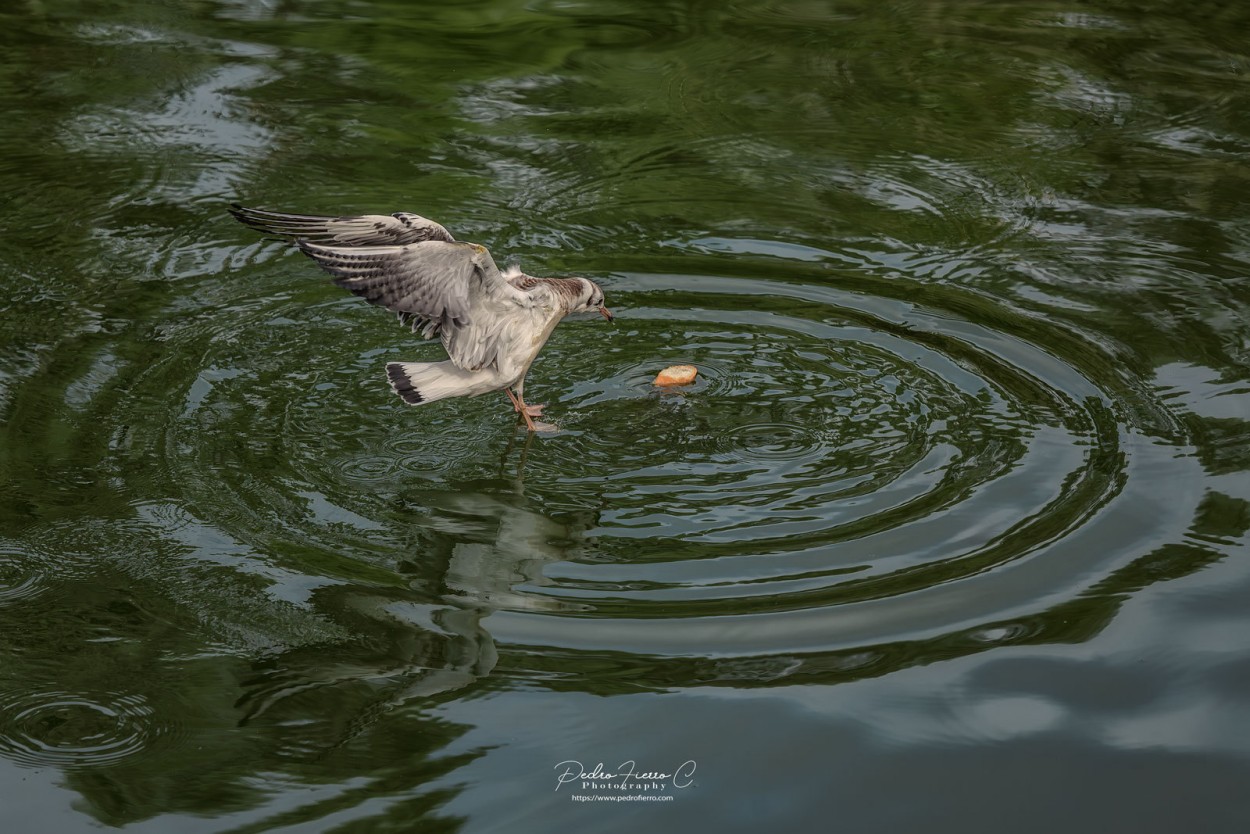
(518, 406)
(522, 409)
(531, 410)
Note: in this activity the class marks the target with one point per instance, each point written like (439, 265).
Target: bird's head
(590, 300)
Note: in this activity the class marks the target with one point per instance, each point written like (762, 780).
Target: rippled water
(950, 531)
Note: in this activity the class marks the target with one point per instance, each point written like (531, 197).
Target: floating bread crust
(677, 375)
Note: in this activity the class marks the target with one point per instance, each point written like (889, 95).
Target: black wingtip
(248, 217)
(403, 385)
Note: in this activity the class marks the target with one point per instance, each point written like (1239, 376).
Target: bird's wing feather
(352, 230)
(438, 285)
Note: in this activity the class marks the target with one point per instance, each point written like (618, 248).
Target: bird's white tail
(418, 383)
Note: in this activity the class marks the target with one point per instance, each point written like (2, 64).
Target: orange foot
(529, 412)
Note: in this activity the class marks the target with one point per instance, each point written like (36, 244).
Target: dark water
(950, 536)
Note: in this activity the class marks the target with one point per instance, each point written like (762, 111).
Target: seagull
(492, 323)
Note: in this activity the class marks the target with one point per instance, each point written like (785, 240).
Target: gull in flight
(492, 323)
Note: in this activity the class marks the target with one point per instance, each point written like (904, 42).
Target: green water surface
(950, 535)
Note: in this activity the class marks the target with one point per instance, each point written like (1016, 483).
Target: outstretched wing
(449, 289)
(359, 230)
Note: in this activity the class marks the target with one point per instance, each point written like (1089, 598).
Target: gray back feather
(414, 267)
(450, 290)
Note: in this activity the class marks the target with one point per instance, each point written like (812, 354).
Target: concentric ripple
(70, 730)
(776, 441)
(850, 465)
(20, 577)
(856, 467)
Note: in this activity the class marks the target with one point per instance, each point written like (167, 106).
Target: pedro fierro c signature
(626, 777)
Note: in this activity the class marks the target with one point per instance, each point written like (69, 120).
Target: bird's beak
(606, 313)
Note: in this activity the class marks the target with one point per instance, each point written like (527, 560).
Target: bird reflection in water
(475, 544)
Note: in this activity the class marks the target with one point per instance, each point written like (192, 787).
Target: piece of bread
(677, 375)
